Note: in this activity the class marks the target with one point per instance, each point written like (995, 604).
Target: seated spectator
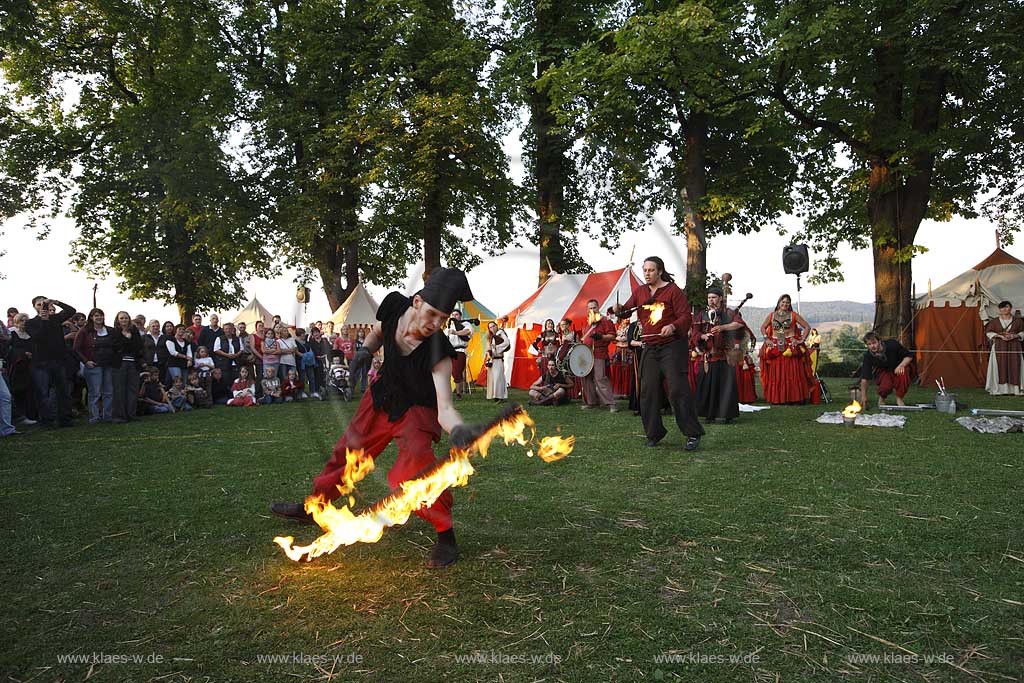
(291, 388)
(152, 397)
(198, 395)
(178, 397)
(271, 386)
(551, 388)
(220, 388)
(243, 392)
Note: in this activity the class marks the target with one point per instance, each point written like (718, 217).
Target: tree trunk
(695, 187)
(549, 177)
(337, 255)
(433, 228)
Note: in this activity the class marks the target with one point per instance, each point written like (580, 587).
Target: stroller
(337, 376)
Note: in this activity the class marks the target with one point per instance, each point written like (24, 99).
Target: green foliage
(123, 113)
(844, 345)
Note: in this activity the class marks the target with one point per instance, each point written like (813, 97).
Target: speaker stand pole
(798, 294)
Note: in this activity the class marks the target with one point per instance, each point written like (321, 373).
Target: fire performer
(597, 387)
(1005, 370)
(665, 318)
(716, 334)
(410, 402)
(890, 364)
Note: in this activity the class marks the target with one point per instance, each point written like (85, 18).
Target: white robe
(496, 386)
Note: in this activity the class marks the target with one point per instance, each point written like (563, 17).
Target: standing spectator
(331, 336)
(276, 322)
(150, 343)
(95, 347)
(5, 339)
(242, 391)
(362, 372)
(48, 361)
(179, 354)
(271, 355)
(197, 325)
(19, 372)
(227, 351)
(258, 335)
(288, 351)
(72, 365)
(6, 425)
(140, 323)
(211, 333)
(190, 339)
(11, 313)
(152, 397)
(163, 356)
(321, 347)
(307, 366)
(126, 373)
(345, 344)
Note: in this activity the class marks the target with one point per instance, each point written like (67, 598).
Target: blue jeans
(100, 384)
(181, 403)
(309, 374)
(6, 428)
(173, 372)
(50, 376)
(360, 379)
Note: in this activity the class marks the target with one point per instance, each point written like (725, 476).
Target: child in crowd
(178, 396)
(271, 384)
(203, 362)
(271, 353)
(198, 395)
(152, 397)
(374, 370)
(243, 390)
(292, 386)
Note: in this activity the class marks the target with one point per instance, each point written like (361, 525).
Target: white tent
(253, 312)
(359, 309)
(1000, 277)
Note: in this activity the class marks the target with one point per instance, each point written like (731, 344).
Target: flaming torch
(656, 309)
(850, 413)
(343, 527)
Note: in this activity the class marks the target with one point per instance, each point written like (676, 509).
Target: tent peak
(999, 257)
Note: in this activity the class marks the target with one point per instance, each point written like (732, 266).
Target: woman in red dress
(785, 366)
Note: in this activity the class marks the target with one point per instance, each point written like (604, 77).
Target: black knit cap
(716, 290)
(445, 287)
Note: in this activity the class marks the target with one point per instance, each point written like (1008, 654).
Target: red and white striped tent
(563, 295)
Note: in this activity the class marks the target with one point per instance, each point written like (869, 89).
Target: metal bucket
(945, 403)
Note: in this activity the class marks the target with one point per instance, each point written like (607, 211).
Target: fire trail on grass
(342, 527)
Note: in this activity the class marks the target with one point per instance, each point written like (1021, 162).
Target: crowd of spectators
(59, 364)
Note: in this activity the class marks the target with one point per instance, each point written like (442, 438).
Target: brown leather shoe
(442, 555)
(293, 511)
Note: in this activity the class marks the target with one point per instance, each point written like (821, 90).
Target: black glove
(465, 434)
(360, 361)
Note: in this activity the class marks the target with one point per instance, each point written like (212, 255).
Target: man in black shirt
(410, 402)
(889, 363)
(49, 351)
(209, 335)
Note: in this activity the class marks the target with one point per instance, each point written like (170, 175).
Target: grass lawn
(782, 550)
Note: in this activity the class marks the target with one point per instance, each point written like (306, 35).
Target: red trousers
(459, 367)
(889, 381)
(415, 432)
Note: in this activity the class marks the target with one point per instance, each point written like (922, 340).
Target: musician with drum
(716, 337)
(597, 386)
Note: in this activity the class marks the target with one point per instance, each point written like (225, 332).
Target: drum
(579, 360)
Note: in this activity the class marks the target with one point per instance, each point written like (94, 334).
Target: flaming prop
(593, 317)
(656, 309)
(852, 411)
(342, 527)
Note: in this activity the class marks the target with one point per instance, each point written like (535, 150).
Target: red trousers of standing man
(415, 432)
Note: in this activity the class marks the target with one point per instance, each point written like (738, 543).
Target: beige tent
(358, 309)
(253, 311)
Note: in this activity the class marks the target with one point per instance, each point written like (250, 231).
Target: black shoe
(443, 554)
(293, 511)
(651, 443)
(691, 443)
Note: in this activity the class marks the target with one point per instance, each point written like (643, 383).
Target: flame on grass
(342, 527)
(852, 410)
(656, 309)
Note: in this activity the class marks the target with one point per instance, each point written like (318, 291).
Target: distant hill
(821, 313)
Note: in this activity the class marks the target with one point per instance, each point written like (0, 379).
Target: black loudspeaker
(795, 259)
